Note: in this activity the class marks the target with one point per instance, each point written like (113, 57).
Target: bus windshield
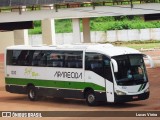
(131, 70)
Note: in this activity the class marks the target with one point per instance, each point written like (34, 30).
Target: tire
(32, 93)
(91, 98)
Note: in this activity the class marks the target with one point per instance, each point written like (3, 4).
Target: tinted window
(9, 57)
(94, 61)
(39, 58)
(15, 56)
(55, 59)
(19, 57)
(68, 59)
(73, 59)
(99, 64)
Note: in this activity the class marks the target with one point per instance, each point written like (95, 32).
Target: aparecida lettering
(74, 75)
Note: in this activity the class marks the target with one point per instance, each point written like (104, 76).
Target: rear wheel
(32, 93)
(91, 98)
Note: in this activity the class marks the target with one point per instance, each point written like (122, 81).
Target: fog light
(120, 92)
(147, 90)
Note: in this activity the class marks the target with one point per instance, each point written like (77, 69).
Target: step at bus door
(109, 91)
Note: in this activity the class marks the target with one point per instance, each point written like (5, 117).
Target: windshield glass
(131, 70)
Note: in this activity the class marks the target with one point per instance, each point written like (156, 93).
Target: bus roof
(107, 49)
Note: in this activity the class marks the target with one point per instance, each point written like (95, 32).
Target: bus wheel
(91, 98)
(32, 93)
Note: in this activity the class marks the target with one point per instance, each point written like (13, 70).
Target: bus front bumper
(128, 98)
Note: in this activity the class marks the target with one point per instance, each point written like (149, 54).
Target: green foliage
(64, 25)
(37, 28)
(101, 24)
(37, 23)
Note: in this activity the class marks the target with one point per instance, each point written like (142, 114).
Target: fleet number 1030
(13, 72)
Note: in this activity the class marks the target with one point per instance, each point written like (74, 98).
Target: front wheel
(32, 93)
(91, 98)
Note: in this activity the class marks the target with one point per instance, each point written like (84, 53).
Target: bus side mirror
(150, 61)
(115, 65)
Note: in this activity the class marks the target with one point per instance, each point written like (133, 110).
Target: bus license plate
(135, 97)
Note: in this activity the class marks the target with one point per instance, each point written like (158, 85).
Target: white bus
(95, 72)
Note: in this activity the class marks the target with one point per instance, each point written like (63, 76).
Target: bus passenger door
(108, 80)
(109, 91)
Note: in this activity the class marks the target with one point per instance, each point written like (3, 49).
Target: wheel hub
(91, 98)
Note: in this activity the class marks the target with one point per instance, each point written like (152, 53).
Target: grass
(36, 30)
(139, 44)
(144, 46)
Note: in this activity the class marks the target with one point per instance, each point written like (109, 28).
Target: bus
(94, 72)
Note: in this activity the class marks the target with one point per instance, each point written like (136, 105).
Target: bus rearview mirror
(150, 61)
(115, 65)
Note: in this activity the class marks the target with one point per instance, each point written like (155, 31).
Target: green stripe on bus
(144, 85)
(54, 83)
(141, 87)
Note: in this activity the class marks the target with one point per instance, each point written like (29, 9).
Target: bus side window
(73, 59)
(94, 62)
(70, 61)
(99, 64)
(10, 59)
(107, 69)
(39, 58)
(22, 61)
(55, 59)
(14, 56)
(29, 58)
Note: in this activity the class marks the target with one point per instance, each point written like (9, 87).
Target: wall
(6, 39)
(107, 36)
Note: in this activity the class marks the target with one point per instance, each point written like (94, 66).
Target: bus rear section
(40, 72)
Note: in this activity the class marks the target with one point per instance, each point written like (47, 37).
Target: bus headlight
(120, 92)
